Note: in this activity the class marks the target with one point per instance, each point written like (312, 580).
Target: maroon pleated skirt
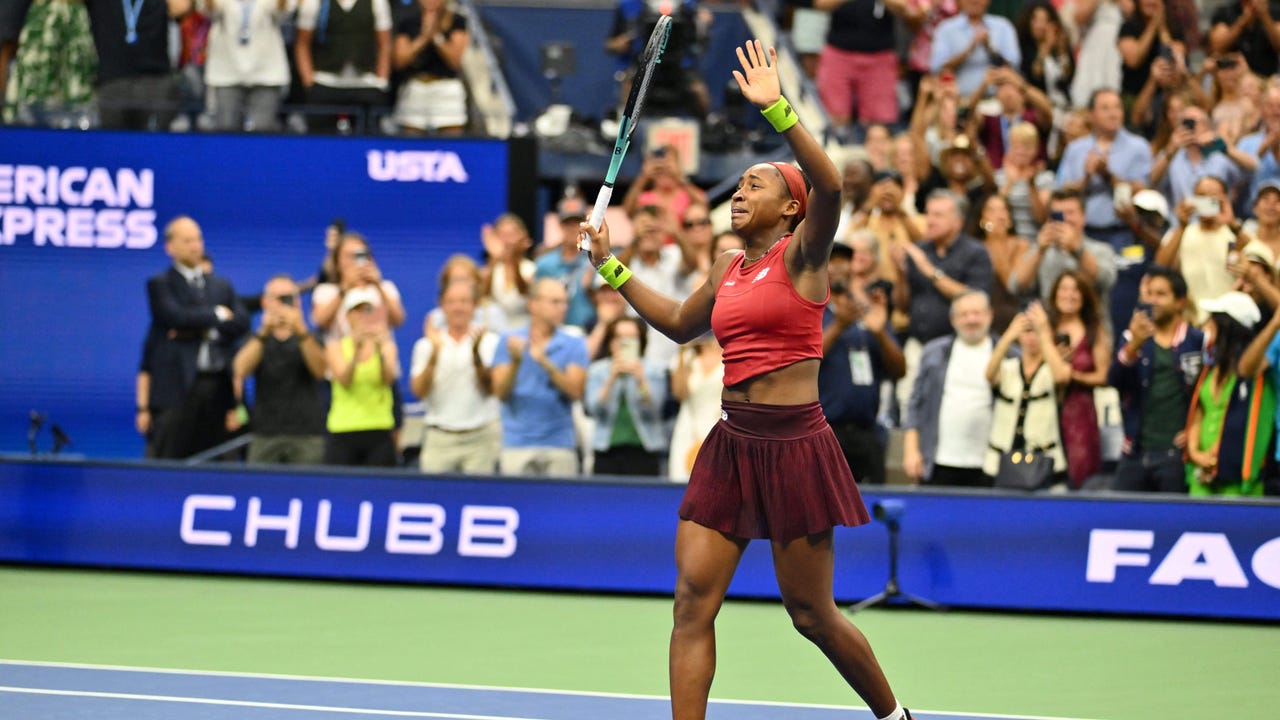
(772, 471)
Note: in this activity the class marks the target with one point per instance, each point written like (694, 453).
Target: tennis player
(771, 468)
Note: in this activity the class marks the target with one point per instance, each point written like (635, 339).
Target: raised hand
(758, 78)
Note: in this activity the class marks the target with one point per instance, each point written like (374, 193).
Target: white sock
(897, 714)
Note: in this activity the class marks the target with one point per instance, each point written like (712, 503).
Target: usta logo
(431, 166)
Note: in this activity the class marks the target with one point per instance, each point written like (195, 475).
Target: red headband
(794, 179)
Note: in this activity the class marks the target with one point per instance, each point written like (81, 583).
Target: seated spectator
(1080, 338)
(1251, 28)
(463, 268)
(625, 395)
(1024, 181)
(1144, 37)
(662, 184)
(1196, 151)
(1025, 416)
(452, 374)
(247, 66)
(539, 371)
(948, 419)
(971, 42)
(1155, 371)
(363, 364)
(1048, 60)
(430, 40)
(343, 56)
(859, 354)
(1264, 143)
(1062, 245)
(571, 267)
(1232, 417)
(1199, 249)
(355, 267)
(1006, 249)
(136, 87)
(54, 65)
(697, 380)
(508, 271)
(1019, 102)
(285, 361)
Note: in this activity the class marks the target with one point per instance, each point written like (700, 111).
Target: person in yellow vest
(363, 366)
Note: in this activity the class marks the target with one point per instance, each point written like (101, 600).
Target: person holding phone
(1061, 246)
(625, 394)
(1201, 245)
(354, 268)
(1196, 150)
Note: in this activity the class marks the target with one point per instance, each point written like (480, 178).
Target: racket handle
(597, 214)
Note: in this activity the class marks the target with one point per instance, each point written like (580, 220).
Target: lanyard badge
(132, 10)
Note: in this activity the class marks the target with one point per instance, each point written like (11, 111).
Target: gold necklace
(748, 258)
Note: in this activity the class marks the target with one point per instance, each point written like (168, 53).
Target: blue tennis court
(57, 691)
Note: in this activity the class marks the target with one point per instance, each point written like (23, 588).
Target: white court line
(497, 688)
(250, 704)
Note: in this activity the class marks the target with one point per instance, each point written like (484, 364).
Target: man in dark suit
(196, 324)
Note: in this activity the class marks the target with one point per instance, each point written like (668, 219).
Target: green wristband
(614, 272)
(242, 414)
(780, 115)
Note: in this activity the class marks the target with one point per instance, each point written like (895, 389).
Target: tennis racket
(647, 64)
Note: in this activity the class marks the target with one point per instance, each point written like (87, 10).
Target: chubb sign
(1193, 556)
(77, 207)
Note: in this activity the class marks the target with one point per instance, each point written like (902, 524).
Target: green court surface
(1076, 667)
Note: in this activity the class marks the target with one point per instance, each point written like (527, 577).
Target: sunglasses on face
(700, 222)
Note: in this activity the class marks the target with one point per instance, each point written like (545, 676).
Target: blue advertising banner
(82, 217)
(1113, 555)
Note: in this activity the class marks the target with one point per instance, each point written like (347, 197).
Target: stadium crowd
(1051, 211)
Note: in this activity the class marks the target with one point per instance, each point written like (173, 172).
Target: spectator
(1006, 250)
(196, 322)
(625, 395)
(1023, 180)
(948, 419)
(697, 379)
(136, 88)
(971, 42)
(1062, 245)
(859, 353)
(964, 170)
(539, 371)
(1108, 156)
(1232, 415)
(1076, 315)
(1048, 61)
(355, 266)
(462, 268)
(12, 16)
(1019, 102)
(1200, 249)
(884, 218)
(1263, 356)
(695, 238)
(878, 146)
(809, 28)
(1155, 371)
(452, 373)
(1250, 28)
(663, 184)
(677, 84)
(1168, 80)
(247, 66)
(1097, 55)
(571, 267)
(343, 56)
(508, 272)
(1233, 99)
(658, 266)
(1025, 416)
(142, 420)
(285, 360)
(1264, 143)
(430, 41)
(935, 119)
(1195, 151)
(1170, 120)
(920, 43)
(54, 65)
(858, 67)
(1265, 228)
(855, 190)
(364, 363)
(1144, 37)
(911, 160)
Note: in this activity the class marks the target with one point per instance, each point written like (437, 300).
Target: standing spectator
(971, 42)
(1048, 61)
(659, 266)
(1062, 245)
(136, 88)
(858, 67)
(859, 353)
(697, 377)
(662, 184)
(920, 44)
(463, 268)
(1020, 102)
(1263, 356)
(196, 322)
(1145, 36)
(1249, 27)
(54, 67)
(1266, 210)
(286, 361)
(1196, 151)
(1264, 143)
(1006, 250)
(343, 56)
(429, 44)
(911, 160)
(1200, 249)
(364, 363)
(1023, 180)
(963, 169)
(856, 178)
(571, 268)
(809, 28)
(948, 419)
(247, 65)
(888, 223)
(695, 238)
(1077, 319)
(1025, 416)
(625, 394)
(539, 371)
(1232, 416)
(452, 373)
(355, 267)
(508, 272)
(1098, 58)
(1155, 371)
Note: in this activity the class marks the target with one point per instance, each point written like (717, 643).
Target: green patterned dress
(56, 62)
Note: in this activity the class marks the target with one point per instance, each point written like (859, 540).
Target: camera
(1189, 123)
(888, 511)
(1062, 339)
(361, 257)
(1145, 308)
(286, 300)
(1057, 216)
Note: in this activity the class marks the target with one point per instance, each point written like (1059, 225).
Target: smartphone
(361, 257)
(629, 349)
(1189, 124)
(1122, 195)
(1062, 339)
(286, 300)
(1145, 309)
(1206, 207)
(997, 60)
(1057, 216)
(1226, 63)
